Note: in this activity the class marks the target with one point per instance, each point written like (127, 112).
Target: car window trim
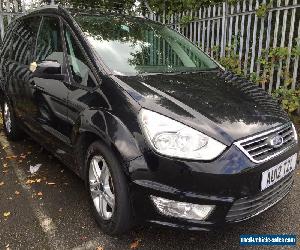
(87, 58)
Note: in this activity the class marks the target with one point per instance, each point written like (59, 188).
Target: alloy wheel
(101, 187)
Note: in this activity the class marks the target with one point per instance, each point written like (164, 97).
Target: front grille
(246, 208)
(259, 149)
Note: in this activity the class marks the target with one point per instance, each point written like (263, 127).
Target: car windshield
(132, 46)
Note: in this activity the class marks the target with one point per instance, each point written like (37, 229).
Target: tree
(158, 6)
(116, 5)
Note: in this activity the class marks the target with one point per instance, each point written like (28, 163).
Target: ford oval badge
(276, 141)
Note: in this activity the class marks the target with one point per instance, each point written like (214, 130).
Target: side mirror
(47, 70)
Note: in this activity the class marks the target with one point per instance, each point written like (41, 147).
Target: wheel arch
(109, 130)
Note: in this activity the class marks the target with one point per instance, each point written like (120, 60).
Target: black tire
(13, 132)
(121, 220)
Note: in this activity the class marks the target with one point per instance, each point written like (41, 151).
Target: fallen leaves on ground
(30, 181)
(6, 214)
(11, 157)
(135, 244)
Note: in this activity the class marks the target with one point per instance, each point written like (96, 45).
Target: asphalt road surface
(49, 210)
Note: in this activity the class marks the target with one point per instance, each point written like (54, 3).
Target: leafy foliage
(176, 6)
(231, 63)
(262, 10)
(117, 5)
(289, 99)
(171, 6)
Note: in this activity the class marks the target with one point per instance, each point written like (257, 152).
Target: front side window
(81, 73)
(131, 46)
(49, 44)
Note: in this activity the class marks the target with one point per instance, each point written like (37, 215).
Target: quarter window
(81, 73)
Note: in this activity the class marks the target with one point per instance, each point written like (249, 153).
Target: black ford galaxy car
(158, 131)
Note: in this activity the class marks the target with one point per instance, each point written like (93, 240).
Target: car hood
(217, 103)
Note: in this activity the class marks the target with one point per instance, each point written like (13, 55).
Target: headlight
(172, 138)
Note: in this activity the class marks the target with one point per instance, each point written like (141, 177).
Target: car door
(84, 91)
(49, 85)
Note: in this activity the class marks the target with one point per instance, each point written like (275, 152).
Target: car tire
(106, 179)
(10, 125)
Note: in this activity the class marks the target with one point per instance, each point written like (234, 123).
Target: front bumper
(231, 183)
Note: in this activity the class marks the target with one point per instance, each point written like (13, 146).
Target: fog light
(182, 209)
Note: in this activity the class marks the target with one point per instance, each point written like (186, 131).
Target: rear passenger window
(6, 46)
(49, 45)
(24, 37)
(6, 49)
(81, 73)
